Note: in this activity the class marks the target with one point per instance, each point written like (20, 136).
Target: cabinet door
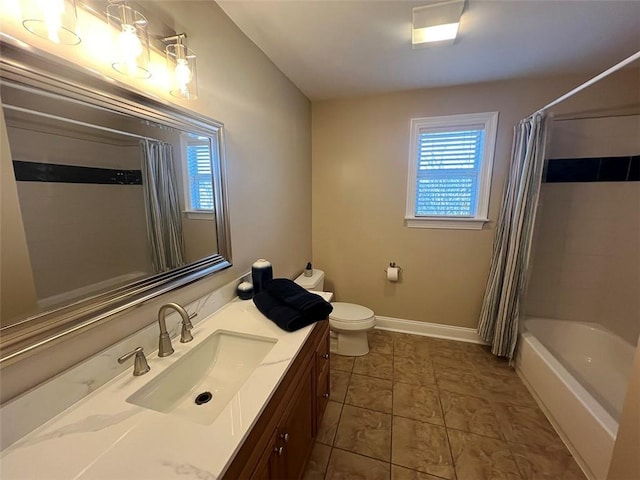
(267, 467)
(296, 433)
(323, 377)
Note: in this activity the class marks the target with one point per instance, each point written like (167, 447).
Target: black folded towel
(290, 306)
(292, 294)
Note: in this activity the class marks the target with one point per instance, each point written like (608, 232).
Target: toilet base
(352, 344)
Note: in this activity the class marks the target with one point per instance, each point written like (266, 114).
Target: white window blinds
(448, 172)
(200, 175)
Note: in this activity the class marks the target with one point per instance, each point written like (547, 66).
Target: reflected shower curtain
(162, 207)
(506, 285)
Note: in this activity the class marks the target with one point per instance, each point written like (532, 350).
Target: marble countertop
(104, 437)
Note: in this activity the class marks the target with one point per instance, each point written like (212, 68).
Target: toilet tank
(314, 282)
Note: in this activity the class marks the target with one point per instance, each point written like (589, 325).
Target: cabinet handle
(325, 395)
(325, 356)
(279, 450)
(284, 437)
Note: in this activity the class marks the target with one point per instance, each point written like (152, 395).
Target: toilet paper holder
(393, 266)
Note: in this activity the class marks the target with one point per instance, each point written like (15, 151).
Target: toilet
(350, 322)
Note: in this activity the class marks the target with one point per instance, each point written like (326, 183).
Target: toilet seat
(351, 317)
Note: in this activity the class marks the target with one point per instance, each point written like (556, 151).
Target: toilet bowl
(350, 322)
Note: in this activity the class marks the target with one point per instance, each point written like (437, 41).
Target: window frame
(488, 121)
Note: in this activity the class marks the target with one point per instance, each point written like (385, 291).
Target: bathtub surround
(67, 200)
(586, 268)
(268, 150)
(586, 260)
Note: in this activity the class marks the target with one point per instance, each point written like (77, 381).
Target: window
(450, 165)
(199, 180)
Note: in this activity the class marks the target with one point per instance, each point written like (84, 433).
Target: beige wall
(268, 151)
(625, 462)
(199, 237)
(17, 289)
(360, 156)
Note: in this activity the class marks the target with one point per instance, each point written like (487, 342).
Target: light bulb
(130, 47)
(183, 75)
(129, 42)
(52, 11)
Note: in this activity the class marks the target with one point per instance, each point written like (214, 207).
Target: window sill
(446, 223)
(195, 215)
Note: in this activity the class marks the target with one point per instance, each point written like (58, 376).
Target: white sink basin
(199, 385)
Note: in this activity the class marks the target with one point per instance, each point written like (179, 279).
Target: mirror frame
(39, 70)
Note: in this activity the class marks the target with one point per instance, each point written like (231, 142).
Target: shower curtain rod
(77, 122)
(595, 79)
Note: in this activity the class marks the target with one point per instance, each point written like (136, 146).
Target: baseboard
(438, 330)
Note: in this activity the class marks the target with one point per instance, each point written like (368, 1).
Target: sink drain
(203, 398)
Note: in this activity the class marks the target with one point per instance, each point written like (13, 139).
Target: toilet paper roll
(393, 274)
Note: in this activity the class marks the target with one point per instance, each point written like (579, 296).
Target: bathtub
(578, 372)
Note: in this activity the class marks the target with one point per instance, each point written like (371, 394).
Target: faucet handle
(185, 334)
(188, 322)
(140, 365)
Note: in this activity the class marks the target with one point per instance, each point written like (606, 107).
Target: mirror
(121, 197)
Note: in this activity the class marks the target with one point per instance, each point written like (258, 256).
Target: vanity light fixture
(181, 62)
(54, 20)
(436, 23)
(131, 39)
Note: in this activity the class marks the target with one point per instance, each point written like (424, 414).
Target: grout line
(364, 455)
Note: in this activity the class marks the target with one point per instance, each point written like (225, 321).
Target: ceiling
(338, 48)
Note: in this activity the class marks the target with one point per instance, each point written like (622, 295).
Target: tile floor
(421, 408)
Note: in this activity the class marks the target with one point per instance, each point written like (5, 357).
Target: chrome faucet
(165, 348)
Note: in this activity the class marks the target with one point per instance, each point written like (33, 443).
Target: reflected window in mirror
(198, 171)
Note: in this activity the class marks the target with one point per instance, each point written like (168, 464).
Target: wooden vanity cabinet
(280, 443)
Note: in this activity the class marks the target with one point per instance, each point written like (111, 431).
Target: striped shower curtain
(162, 207)
(506, 285)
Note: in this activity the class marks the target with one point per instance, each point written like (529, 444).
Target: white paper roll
(392, 274)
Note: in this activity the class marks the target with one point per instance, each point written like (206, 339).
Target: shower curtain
(506, 285)
(164, 225)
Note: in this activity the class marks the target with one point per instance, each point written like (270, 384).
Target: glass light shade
(55, 20)
(181, 62)
(131, 40)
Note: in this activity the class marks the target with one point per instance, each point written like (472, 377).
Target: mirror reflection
(106, 198)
